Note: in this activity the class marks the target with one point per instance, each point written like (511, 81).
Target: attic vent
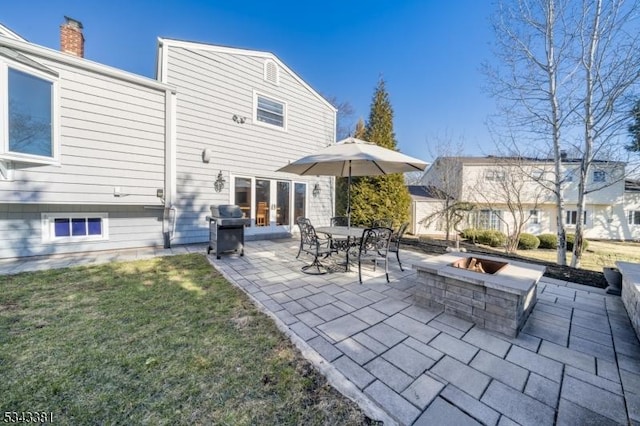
(271, 72)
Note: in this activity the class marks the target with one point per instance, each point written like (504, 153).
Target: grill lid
(226, 211)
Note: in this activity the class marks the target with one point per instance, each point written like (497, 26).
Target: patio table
(352, 234)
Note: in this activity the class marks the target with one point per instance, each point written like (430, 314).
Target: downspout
(169, 220)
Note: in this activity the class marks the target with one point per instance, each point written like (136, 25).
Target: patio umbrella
(354, 157)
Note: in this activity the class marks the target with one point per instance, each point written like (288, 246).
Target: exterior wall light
(316, 190)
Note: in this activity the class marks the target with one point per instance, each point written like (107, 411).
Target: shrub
(470, 233)
(492, 238)
(548, 241)
(570, 240)
(528, 242)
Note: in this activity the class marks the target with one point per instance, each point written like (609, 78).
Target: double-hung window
(571, 217)
(634, 217)
(28, 113)
(270, 112)
(599, 176)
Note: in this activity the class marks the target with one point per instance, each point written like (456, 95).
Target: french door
(272, 204)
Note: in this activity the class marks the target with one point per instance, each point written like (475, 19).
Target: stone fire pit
(494, 293)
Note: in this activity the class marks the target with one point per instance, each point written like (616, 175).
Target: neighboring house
(82, 151)
(95, 158)
(492, 183)
(240, 115)
(426, 201)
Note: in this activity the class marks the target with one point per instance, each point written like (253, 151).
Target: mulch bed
(566, 273)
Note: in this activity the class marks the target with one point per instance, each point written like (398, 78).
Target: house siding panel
(112, 133)
(212, 88)
(129, 227)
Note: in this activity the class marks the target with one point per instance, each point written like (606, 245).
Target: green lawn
(597, 254)
(161, 341)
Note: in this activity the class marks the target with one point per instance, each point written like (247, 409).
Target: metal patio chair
(301, 221)
(316, 246)
(394, 246)
(382, 223)
(374, 247)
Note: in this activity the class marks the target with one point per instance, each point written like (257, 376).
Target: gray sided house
(82, 151)
(240, 115)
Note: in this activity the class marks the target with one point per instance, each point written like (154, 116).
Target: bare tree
(534, 73)
(609, 59)
(512, 184)
(444, 179)
(346, 114)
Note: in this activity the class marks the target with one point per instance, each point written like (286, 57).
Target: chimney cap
(73, 22)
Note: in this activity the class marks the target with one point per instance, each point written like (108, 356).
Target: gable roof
(425, 193)
(169, 42)
(7, 32)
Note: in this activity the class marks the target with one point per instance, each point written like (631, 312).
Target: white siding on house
(112, 134)
(213, 87)
(113, 139)
(129, 227)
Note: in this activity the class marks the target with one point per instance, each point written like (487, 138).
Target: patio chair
(316, 246)
(301, 221)
(394, 246)
(339, 221)
(374, 247)
(382, 223)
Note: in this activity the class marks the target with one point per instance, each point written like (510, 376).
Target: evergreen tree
(342, 182)
(378, 197)
(634, 129)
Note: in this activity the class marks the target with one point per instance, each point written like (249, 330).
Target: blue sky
(428, 51)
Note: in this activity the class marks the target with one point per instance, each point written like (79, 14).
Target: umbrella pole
(349, 197)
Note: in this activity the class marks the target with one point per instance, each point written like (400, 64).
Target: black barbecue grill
(226, 229)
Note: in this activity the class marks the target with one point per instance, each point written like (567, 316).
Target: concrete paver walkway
(577, 360)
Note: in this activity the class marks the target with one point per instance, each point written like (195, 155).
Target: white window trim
(629, 217)
(566, 216)
(285, 110)
(5, 153)
(534, 216)
(495, 175)
(604, 176)
(48, 222)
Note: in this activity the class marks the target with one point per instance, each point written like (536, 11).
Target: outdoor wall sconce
(316, 190)
(238, 119)
(206, 155)
(218, 185)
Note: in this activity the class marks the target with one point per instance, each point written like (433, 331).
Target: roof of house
(632, 185)
(493, 159)
(425, 193)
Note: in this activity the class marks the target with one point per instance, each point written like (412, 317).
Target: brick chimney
(71, 38)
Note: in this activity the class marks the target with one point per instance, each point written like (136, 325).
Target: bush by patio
(492, 238)
(528, 242)
(548, 241)
(571, 239)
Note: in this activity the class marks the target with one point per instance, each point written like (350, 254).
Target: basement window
(74, 227)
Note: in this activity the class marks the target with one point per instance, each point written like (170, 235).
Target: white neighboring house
(612, 209)
(95, 158)
(82, 151)
(242, 114)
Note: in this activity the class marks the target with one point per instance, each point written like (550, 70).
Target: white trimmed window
(534, 217)
(571, 217)
(490, 219)
(599, 176)
(270, 112)
(28, 114)
(634, 217)
(568, 175)
(495, 175)
(271, 72)
(74, 227)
